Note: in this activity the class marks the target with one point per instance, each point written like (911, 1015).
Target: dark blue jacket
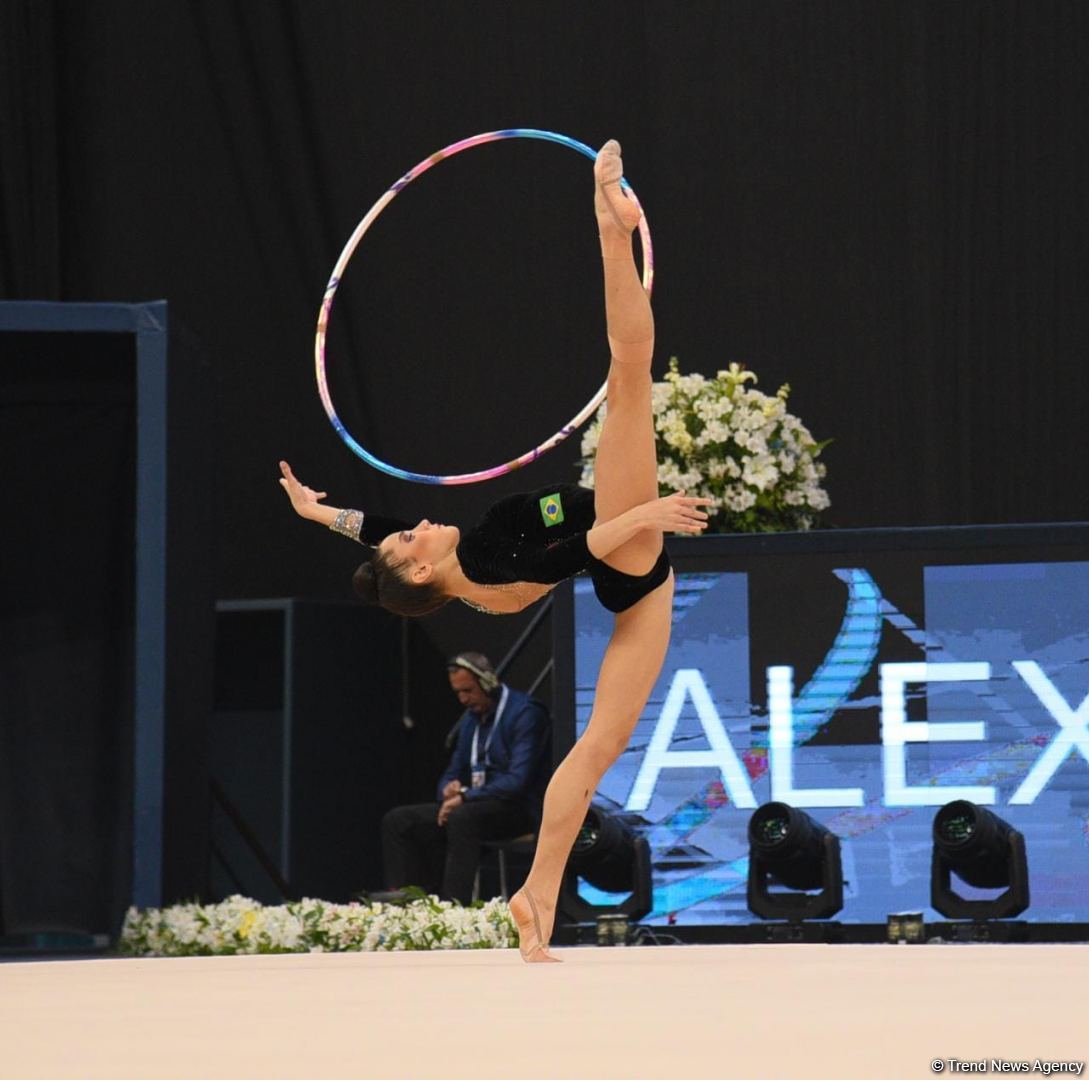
(518, 759)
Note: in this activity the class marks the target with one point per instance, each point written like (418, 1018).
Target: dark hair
(377, 581)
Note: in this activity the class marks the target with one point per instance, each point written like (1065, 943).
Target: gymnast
(526, 544)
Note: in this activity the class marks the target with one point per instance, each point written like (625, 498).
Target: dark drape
(67, 425)
(883, 203)
(30, 137)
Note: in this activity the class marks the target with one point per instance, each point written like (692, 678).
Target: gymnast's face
(421, 547)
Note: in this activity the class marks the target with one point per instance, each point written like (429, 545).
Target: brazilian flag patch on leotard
(552, 509)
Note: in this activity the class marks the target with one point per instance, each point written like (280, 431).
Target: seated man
(491, 790)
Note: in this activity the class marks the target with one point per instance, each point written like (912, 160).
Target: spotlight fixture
(789, 846)
(984, 852)
(610, 856)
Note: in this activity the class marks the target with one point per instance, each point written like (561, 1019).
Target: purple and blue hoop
(349, 249)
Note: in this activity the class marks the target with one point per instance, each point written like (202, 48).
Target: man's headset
(476, 665)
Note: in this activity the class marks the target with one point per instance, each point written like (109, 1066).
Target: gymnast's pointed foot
(617, 214)
(532, 943)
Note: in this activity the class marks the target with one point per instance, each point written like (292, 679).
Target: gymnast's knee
(600, 750)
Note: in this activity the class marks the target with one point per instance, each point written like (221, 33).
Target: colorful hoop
(349, 250)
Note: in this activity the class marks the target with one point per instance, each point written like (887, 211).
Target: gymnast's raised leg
(626, 475)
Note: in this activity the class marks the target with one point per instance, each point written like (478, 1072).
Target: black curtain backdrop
(68, 427)
(883, 203)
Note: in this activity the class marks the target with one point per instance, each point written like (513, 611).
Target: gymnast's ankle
(533, 921)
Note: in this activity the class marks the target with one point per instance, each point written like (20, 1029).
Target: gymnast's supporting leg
(625, 475)
(629, 669)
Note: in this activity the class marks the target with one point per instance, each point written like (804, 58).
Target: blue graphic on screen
(983, 702)
(1027, 624)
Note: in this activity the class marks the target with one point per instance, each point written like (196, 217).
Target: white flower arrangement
(728, 442)
(240, 925)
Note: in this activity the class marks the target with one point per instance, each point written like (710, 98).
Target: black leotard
(540, 536)
(512, 542)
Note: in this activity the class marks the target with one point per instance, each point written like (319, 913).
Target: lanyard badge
(479, 767)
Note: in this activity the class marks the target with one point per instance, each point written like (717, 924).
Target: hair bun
(377, 582)
(365, 583)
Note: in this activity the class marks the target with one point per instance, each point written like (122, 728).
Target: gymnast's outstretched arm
(362, 528)
(305, 501)
(673, 513)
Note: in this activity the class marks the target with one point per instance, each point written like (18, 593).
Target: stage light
(789, 846)
(609, 855)
(984, 852)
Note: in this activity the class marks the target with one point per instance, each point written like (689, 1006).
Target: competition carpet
(728, 1011)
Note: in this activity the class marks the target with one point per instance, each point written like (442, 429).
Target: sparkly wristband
(349, 523)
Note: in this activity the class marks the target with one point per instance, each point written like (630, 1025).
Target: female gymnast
(527, 543)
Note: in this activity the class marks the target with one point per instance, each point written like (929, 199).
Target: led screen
(869, 690)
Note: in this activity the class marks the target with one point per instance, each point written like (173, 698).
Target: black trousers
(444, 859)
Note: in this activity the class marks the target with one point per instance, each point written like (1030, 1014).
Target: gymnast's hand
(678, 513)
(306, 501)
